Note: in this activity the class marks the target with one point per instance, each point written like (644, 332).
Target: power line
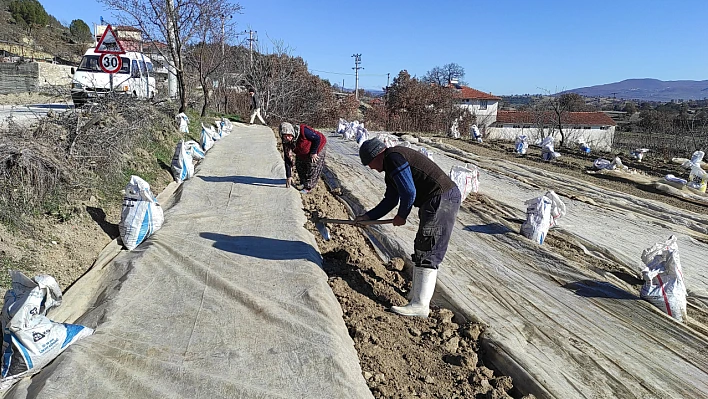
(350, 74)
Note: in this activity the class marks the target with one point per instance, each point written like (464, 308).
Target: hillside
(52, 42)
(648, 90)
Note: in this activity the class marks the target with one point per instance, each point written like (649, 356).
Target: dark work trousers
(309, 172)
(437, 219)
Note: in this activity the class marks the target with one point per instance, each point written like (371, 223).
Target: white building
(596, 129)
(483, 106)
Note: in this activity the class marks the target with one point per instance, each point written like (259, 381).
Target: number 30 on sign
(110, 63)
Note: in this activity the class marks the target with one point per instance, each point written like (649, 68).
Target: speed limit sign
(110, 63)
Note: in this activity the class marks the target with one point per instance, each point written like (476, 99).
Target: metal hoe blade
(324, 231)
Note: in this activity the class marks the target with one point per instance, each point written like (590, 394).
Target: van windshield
(90, 64)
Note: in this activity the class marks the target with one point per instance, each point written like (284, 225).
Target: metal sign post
(110, 49)
(110, 64)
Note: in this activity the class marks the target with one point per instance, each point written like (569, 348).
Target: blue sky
(505, 46)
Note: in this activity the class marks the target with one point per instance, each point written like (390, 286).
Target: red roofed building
(482, 105)
(593, 128)
(596, 129)
(376, 102)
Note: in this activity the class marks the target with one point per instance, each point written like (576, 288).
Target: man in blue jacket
(412, 179)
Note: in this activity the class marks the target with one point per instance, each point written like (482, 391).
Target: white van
(135, 78)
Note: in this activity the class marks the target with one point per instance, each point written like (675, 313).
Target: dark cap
(370, 149)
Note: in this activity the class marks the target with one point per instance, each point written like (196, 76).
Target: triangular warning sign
(109, 44)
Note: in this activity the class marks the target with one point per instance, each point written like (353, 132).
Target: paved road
(28, 114)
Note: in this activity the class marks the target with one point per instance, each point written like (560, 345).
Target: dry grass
(89, 149)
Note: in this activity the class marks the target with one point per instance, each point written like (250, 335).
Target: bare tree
(441, 76)
(207, 56)
(287, 89)
(552, 112)
(175, 22)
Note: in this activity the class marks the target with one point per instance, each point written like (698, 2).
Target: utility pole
(223, 31)
(357, 61)
(388, 75)
(250, 42)
(172, 89)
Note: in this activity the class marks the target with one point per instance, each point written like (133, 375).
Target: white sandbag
(673, 179)
(217, 128)
(141, 215)
(557, 207)
(349, 134)
(538, 219)
(225, 129)
(550, 156)
(583, 147)
(351, 130)
(389, 140)
(341, 126)
(427, 153)
(638, 153)
(183, 121)
(409, 138)
(601, 163)
(697, 157)
(522, 144)
(221, 127)
(475, 133)
(182, 165)
(466, 177)
(405, 143)
(617, 162)
(548, 153)
(30, 339)
(194, 150)
(698, 178)
(226, 126)
(211, 131)
(207, 140)
(361, 135)
(663, 279)
(454, 130)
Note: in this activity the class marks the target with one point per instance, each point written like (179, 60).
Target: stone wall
(33, 77)
(18, 78)
(54, 75)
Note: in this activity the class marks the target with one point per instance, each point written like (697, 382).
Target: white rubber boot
(409, 297)
(424, 280)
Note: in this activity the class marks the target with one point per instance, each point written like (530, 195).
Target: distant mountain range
(648, 90)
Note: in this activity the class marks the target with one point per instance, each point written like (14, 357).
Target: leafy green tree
(630, 108)
(80, 30)
(28, 13)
